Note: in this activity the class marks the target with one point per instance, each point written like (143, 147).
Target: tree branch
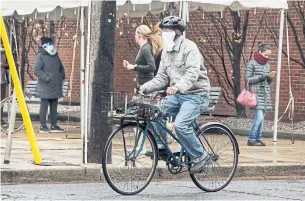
(301, 14)
(220, 55)
(275, 37)
(244, 35)
(257, 33)
(296, 38)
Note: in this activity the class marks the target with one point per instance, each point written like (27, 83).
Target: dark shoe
(56, 129)
(44, 129)
(253, 143)
(261, 142)
(200, 164)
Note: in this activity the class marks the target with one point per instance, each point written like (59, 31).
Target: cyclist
(182, 68)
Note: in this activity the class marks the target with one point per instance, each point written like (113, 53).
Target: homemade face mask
(168, 40)
(49, 47)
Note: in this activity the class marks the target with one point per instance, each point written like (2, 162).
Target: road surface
(159, 190)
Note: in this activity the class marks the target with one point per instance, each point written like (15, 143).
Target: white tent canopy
(54, 9)
(134, 8)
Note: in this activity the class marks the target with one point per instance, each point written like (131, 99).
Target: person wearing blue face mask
(50, 72)
(188, 93)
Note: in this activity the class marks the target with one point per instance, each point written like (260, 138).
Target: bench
(214, 97)
(30, 92)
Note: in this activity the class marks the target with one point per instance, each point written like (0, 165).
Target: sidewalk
(62, 159)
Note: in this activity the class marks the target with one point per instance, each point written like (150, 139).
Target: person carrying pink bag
(259, 77)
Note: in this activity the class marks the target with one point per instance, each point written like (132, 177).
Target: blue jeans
(256, 131)
(186, 108)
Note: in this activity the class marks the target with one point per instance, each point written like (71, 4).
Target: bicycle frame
(149, 125)
(158, 135)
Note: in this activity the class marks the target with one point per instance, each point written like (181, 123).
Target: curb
(84, 174)
(269, 134)
(51, 175)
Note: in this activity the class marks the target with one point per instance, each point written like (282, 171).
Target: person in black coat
(51, 74)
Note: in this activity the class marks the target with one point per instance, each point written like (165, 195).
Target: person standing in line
(145, 65)
(157, 44)
(258, 78)
(51, 74)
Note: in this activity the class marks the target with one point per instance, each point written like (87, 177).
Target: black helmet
(172, 22)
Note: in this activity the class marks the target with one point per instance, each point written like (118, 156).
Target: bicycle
(6, 105)
(136, 168)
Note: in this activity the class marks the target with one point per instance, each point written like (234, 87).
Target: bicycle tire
(107, 170)
(2, 105)
(207, 129)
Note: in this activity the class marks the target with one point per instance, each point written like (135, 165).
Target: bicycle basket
(127, 105)
(144, 111)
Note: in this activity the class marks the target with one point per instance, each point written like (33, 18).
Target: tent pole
(278, 77)
(82, 71)
(85, 143)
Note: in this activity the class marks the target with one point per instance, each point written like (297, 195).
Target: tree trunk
(52, 30)
(238, 40)
(240, 110)
(102, 45)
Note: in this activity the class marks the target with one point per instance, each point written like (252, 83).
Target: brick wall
(127, 49)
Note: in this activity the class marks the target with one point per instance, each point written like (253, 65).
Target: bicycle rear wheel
(5, 106)
(126, 166)
(222, 146)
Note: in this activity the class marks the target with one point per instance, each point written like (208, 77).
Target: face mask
(49, 47)
(168, 40)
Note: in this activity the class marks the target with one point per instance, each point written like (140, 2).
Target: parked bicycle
(131, 155)
(5, 106)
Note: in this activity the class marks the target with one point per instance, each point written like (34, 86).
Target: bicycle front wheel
(5, 107)
(129, 159)
(222, 146)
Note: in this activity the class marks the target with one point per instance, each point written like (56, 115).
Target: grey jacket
(259, 82)
(50, 73)
(183, 68)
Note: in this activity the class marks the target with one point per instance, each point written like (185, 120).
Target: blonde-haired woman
(145, 64)
(157, 43)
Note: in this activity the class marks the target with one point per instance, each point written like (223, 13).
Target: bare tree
(225, 39)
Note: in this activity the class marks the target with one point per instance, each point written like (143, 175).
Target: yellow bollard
(22, 105)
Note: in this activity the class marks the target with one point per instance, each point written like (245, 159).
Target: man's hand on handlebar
(169, 91)
(172, 90)
(138, 90)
